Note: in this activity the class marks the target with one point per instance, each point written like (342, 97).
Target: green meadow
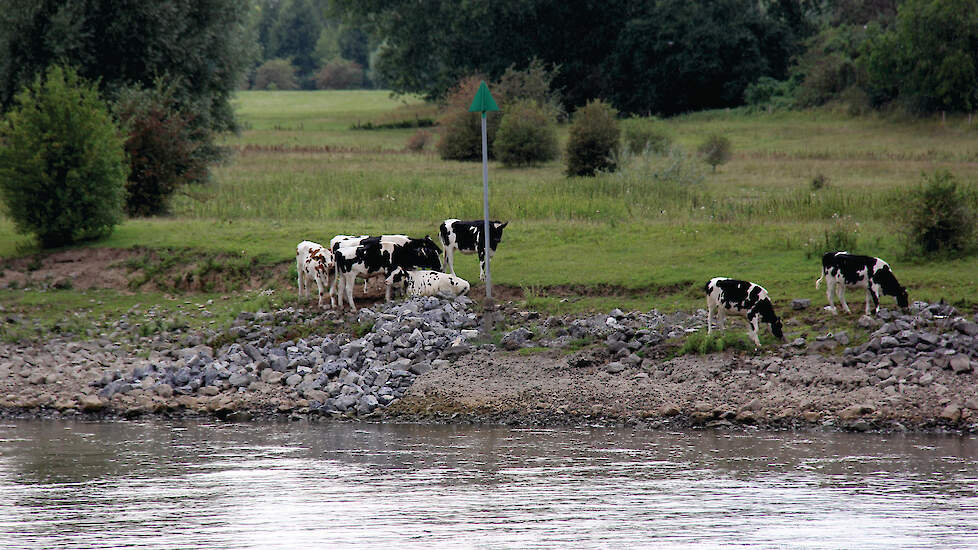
(648, 236)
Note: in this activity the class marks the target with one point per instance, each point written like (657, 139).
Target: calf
(379, 258)
(842, 270)
(743, 298)
(469, 237)
(430, 283)
(313, 261)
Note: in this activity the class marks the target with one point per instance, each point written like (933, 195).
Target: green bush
(276, 74)
(715, 150)
(461, 131)
(166, 149)
(701, 343)
(62, 167)
(594, 140)
(526, 136)
(940, 216)
(643, 134)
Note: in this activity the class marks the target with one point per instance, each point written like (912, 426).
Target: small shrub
(340, 74)
(594, 140)
(715, 150)
(276, 74)
(819, 181)
(940, 216)
(166, 149)
(534, 83)
(842, 234)
(62, 166)
(418, 141)
(526, 136)
(701, 343)
(461, 131)
(646, 135)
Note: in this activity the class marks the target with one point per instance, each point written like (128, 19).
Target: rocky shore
(425, 359)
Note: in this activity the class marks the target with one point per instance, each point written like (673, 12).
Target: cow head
(496, 233)
(891, 287)
(776, 328)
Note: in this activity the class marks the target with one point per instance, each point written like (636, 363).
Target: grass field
(628, 239)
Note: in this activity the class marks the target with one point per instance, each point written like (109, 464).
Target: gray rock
(966, 327)
(440, 364)
(889, 342)
(960, 364)
(866, 322)
(614, 367)
(241, 379)
(841, 337)
(293, 380)
(515, 339)
(800, 303)
(367, 404)
(164, 390)
(345, 402)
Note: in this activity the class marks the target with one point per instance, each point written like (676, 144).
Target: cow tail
(818, 282)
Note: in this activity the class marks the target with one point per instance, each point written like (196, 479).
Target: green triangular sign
(483, 100)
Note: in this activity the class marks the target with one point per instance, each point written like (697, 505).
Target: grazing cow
(743, 298)
(313, 261)
(842, 270)
(429, 283)
(379, 258)
(468, 237)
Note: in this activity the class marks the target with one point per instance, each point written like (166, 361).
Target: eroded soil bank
(425, 359)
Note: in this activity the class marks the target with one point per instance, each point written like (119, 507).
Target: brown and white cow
(314, 261)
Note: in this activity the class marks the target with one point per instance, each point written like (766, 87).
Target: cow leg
(709, 316)
(841, 291)
(348, 281)
(871, 295)
(753, 326)
(482, 266)
(721, 317)
(319, 287)
(450, 258)
(299, 269)
(829, 291)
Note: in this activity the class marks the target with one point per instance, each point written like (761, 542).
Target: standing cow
(842, 270)
(468, 237)
(314, 261)
(743, 298)
(378, 258)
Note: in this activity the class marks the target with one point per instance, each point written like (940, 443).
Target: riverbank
(425, 359)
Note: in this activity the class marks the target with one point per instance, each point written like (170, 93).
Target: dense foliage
(939, 217)
(527, 135)
(166, 150)
(929, 59)
(594, 140)
(615, 50)
(340, 74)
(62, 167)
(205, 45)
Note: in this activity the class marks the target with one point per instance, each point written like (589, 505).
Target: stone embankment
(424, 359)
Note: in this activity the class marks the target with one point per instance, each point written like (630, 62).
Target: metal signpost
(482, 103)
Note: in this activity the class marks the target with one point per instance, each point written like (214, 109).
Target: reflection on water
(202, 485)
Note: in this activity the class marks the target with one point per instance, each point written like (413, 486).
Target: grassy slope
(756, 218)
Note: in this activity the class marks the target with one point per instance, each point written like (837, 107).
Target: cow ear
(503, 225)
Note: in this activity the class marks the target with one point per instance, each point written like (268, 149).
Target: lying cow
(743, 298)
(842, 270)
(379, 258)
(313, 261)
(429, 283)
(469, 237)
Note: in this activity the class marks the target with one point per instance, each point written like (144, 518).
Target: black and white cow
(842, 270)
(429, 283)
(340, 241)
(743, 298)
(377, 257)
(468, 237)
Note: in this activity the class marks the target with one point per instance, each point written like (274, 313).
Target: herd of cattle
(414, 266)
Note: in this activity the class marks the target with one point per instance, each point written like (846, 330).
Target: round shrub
(340, 74)
(594, 140)
(62, 166)
(461, 131)
(715, 150)
(939, 216)
(526, 136)
(276, 74)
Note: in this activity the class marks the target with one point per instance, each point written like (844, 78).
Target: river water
(69, 485)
